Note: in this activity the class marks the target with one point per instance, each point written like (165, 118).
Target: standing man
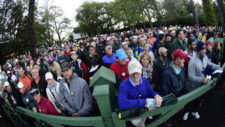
(196, 77)
(179, 43)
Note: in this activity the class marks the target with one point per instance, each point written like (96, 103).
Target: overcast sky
(69, 7)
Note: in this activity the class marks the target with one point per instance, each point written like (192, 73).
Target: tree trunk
(195, 15)
(222, 12)
(31, 31)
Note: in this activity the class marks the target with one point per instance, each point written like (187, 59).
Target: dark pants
(193, 106)
(1, 103)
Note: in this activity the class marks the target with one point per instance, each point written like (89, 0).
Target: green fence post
(106, 76)
(102, 96)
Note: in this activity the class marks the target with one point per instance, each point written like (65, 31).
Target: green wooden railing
(105, 92)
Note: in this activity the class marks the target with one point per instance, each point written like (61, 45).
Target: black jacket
(215, 57)
(15, 94)
(41, 85)
(173, 83)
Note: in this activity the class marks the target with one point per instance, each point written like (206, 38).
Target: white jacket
(52, 98)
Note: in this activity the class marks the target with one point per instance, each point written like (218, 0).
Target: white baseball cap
(13, 78)
(6, 84)
(134, 67)
(48, 75)
(20, 85)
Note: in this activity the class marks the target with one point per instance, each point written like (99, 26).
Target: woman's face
(145, 61)
(50, 81)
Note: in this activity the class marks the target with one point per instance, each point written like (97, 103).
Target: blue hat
(61, 49)
(200, 45)
(121, 54)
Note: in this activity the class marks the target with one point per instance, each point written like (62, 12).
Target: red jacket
(45, 106)
(119, 69)
(84, 67)
(65, 53)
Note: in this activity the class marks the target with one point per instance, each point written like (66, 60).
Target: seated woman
(52, 91)
(136, 91)
(43, 104)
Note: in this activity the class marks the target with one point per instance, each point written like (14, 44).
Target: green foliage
(208, 12)
(128, 12)
(70, 37)
(217, 14)
(95, 18)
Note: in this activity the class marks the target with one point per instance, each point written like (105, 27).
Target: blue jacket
(138, 50)
(109, 60)
(62, 59)
(134, 96)
(173, 83)
(155, 45)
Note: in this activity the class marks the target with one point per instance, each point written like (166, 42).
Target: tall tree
(208, 12)
(195, 15)
(31, 30)
(222, 12)
(95, 18)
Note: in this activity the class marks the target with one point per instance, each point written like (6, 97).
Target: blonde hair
(148, 56)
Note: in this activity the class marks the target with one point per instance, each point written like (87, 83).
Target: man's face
(109, 51)
(200, 35)
(74, 56)
(8, 88)
(21, 72)
(68, 74)
(91, 51)
(37, 97)
(110, 42)
(209, 48)
(202, 53)
(125, 46)
(135, 77)
(180, 62)
(28, 68)
(45, 58)
(122, 62)
(193, 46)
(34, 73)
(51, 53)
(181, 35)
(151, 35)
(168, 39)
(62, 53)
(38, 61)
(128, 52)
(22, 90)
(134, 40)
(37, 67)
(142, 41)
(146, 47)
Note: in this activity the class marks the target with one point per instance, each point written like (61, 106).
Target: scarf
(147, 72)
(52, 87)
